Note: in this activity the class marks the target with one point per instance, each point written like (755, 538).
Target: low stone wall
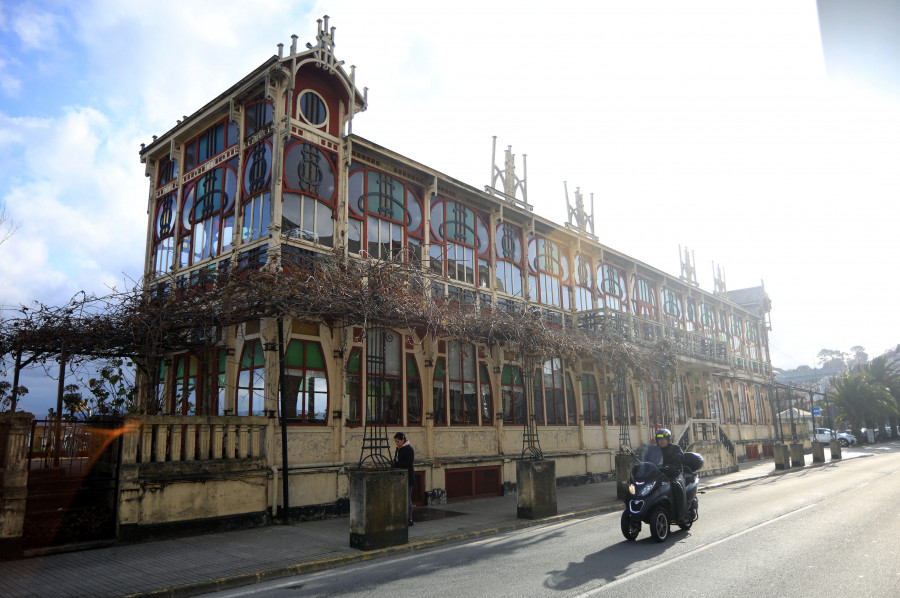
(187, 474)
(717, 459)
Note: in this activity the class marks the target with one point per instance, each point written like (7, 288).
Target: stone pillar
(378, 508)
(818, 452)
(14, 431)
(835, 446)
(782, 456)
(797, 459)
(536, 488)
(624, 462)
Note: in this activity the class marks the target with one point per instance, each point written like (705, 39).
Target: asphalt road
(824, 531)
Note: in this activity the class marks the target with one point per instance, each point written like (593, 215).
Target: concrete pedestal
(378, 505)
(797, 459)
(624, 462)
(818, 452)
(835, 446)
(14, 431)
(536, 487)
(782, 456)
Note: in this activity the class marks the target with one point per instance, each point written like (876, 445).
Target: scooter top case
(693, 461)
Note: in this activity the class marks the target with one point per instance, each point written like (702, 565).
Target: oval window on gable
(312, 108)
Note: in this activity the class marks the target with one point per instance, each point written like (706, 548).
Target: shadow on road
(612, 562)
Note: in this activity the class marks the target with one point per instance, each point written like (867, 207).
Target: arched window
(548, 267)
(310, 194)
(752, 340)
(655, 414)
(644, 298)
(512, 392)
(251, 380)
(680, 399)
(413, 392)
(570, 400)
(461, 359)
(690, 314)
(386, 213)
(164, 234)
(707, 320)
(354, 387)
(744, 403)
(737, 335)
(508, 247)
(439, 393)
(584, 285)
(257, 115)
(305, 384)
(672, 310)
(590, 400)
(460, 243)
(384, 376)
(613, 288)
(255, 204)
(187, 385)
(487, 397)
(758, 405)
(207, 220)
(168, 170)
(615, 404)
(209, 144)
(549, 391)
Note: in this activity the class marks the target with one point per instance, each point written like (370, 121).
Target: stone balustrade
(161, 438)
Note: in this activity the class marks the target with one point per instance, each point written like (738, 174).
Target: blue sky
(711, 125)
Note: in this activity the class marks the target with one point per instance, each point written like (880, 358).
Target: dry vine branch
(147, 321)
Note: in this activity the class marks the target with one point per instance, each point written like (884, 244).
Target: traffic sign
(817, 411)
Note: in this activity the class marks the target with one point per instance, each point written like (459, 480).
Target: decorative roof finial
(688, 267)
(579, 213)
(324, 49)
(719, 281)
(513, 186)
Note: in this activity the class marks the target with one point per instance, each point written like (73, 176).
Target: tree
(830, 357)
(886, 374)
(860, 357)
(861, 401)
(6, 394)
(8, 226)
(74, 404)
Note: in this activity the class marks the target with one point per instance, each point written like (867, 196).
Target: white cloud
(36, 29)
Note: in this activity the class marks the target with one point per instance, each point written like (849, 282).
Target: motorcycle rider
(673, 468)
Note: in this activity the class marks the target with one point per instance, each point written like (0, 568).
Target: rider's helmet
(664, 433)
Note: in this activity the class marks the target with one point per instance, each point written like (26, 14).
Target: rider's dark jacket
(673, 457)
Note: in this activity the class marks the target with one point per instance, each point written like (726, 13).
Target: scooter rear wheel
(659, 525)
(630, 527)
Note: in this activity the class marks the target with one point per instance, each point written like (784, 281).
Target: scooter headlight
(647, 489)
(641, 489)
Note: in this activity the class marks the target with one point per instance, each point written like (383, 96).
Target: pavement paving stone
(197, 564)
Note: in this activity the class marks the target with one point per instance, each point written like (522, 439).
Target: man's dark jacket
(404, 459)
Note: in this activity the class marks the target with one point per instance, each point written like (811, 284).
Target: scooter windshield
(651, 460)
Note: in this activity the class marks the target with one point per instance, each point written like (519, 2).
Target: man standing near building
(404, 457)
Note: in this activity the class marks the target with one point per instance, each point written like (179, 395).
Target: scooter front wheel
(659, 525)
(630, 527)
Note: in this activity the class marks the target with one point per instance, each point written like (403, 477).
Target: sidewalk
(200, 564)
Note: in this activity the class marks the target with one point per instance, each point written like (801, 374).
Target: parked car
(845, 438)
